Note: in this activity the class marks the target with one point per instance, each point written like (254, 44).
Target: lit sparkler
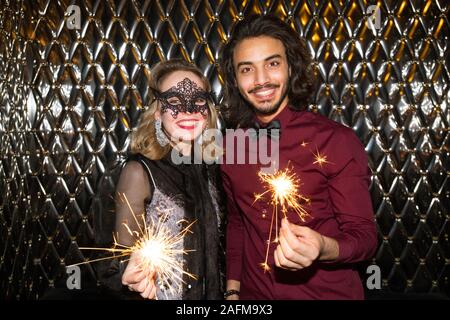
(158, 248)
(283, 187)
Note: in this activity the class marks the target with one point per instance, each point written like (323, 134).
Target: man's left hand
(298, 246)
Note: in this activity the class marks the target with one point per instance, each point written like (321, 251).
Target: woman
(153, 183)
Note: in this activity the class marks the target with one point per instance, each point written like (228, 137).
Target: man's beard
(271, 109)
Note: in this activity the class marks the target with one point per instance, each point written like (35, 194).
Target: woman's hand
(138, 280)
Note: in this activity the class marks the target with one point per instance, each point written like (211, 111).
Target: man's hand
(300, 246)
(137, 280)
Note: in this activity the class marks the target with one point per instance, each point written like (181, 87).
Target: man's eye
(245, 70)
(274, 63)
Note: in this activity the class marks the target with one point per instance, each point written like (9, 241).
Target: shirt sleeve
(235, 234)
(133, 189)
(350, 197)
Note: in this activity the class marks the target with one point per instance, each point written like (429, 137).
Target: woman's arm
(133, 189)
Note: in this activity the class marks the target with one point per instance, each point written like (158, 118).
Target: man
(268, 82)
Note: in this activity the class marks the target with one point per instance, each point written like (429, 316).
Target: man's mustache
(266, 86)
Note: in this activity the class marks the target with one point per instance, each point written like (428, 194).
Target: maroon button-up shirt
(340, 207)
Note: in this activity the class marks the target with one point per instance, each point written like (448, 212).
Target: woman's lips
(187, 124)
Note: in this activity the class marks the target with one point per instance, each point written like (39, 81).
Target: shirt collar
(285, 116)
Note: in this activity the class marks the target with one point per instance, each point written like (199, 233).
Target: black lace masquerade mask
(185, 97)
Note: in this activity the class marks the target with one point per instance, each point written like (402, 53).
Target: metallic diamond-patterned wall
(69, 97)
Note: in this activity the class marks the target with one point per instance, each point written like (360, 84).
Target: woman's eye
(200, 102)
(174, 101)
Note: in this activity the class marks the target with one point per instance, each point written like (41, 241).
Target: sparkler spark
(320, 158)
(283, 187)
(158, 248)
(304, 143)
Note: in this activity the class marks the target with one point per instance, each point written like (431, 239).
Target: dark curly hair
(236, 111)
